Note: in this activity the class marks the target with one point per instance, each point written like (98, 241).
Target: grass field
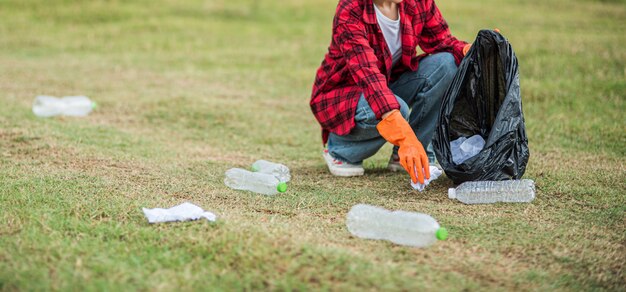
(188, 89)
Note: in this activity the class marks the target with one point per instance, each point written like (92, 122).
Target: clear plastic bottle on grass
(262, 183)
(280, 171)
(401, 227)
(487, 192)
(48, 106)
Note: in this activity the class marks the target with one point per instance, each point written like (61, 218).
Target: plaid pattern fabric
(358, 60)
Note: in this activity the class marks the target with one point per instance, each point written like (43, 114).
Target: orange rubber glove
(468, 46)
(395, 129)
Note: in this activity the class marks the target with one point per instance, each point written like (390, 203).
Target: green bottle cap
(254, 168)
(282, 187)
(442, 233)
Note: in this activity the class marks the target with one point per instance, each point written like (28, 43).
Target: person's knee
(448, 66)
(404, 108)
(442, 77)
(364, 115)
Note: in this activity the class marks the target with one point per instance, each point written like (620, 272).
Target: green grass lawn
(188, 89)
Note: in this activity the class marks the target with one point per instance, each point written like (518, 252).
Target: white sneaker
(342, 168)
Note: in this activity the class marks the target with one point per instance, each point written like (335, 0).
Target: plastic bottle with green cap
(400, 227)
(280, 171)
(262, 183)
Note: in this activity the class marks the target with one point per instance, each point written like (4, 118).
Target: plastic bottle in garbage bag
(280, 171)
(465, 148)
(48, 106)
(486, 192)
(401, 227)
(262, 183)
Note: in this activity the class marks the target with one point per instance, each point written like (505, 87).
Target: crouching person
(373, 88)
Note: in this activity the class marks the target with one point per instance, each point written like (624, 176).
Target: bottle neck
(452, 193)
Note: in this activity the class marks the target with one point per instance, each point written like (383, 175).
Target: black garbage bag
(484, 99)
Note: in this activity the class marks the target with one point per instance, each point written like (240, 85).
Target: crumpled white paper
(435, 172)
(183, 212)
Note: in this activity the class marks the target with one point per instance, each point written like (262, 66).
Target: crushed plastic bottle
(280, 171)
(401, 227)
(262, 183)
(48, 106)
(465, 148)
(487, 192)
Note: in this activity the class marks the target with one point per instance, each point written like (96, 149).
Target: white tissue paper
(183, 212)
(435, 172)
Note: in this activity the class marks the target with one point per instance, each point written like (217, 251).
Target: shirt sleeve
(361, 62)
(436, 36)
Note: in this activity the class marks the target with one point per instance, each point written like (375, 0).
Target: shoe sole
(394, 167)
(343, 172)
(347, 172)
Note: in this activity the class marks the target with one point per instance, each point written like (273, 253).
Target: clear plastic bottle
(48, 106)
(401, 227)
(262, 183)
(280, 171)
(487, 192)
(465, 148)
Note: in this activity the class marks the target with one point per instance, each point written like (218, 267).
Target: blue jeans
(419, 94)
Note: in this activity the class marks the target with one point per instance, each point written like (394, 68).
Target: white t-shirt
(391, 32)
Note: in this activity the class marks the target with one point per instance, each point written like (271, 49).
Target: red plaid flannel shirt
(358, 60)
